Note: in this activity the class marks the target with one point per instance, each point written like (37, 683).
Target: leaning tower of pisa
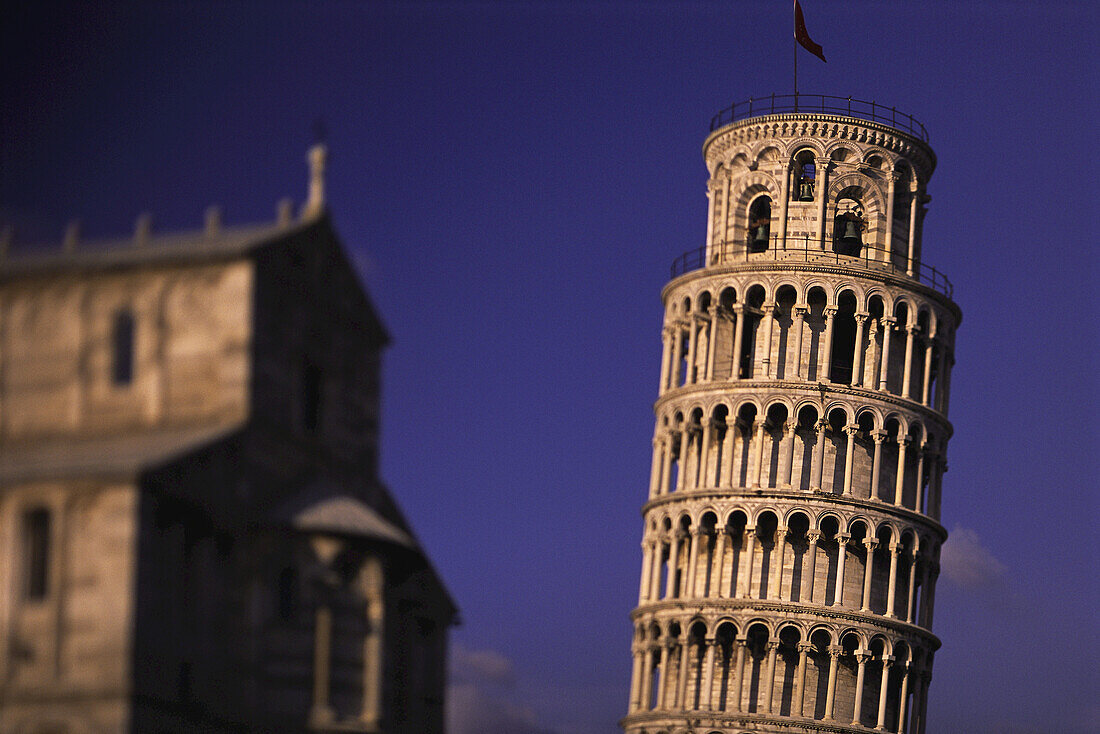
(791, 532)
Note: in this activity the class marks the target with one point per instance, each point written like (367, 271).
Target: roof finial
(213, 221)
(143, 229)
(72, 236)
(318, 155)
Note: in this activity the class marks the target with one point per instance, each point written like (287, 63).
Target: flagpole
(795, 71)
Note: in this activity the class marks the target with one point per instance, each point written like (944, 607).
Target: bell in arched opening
(760, 218)
(848, 228)
(805, 175)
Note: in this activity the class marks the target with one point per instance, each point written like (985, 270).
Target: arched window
(848, 227)
(310, 396)
(760, 220)
(36, 554)
(122, 348)
(287, 596)
(805, 176)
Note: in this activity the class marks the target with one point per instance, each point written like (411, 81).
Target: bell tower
(792, 526)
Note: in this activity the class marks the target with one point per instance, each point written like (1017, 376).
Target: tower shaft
(791, 532)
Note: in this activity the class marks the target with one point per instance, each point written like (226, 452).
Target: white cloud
(967, 563)
(478, 696)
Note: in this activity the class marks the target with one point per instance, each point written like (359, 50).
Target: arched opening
(700, 332)
(661, 559)
(694, 466)
(767, 543)
(895, 375)
(696, 658)
(798, 526)
(735, 532)
(888, 464)
(773, 444)
(863, 457)
(704, 565)
(677, 459)
(871, 373)
(805, 176)
(785, 299)
(849, 223)
(746, 417)
(844, 339)
(787, 668)
(827, 563)
(122, 348)
(756, 649)
(721, 450)
(805, 441)
(724, 665)
(725, 330)
(760, 218)
(815, 322)
(836, 451)
(872, 682)
(817, 676)
(753, 316)
(846, 674)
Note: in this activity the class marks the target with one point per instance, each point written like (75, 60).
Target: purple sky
(514, 179)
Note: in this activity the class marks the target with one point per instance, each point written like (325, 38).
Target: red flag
(802, 36)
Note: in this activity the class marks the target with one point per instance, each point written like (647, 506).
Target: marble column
(884, 369)
(849, 448)
(798, 326)
(868, 572)
(841, 561)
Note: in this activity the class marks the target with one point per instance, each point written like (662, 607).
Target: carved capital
(814, 536)
(870, 543)
(879, 436)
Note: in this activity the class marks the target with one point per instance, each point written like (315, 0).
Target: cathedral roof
(167, 248)
(95, 456)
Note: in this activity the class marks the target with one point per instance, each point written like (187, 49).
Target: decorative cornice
(820, 126)
(885, 277)
(766, 388)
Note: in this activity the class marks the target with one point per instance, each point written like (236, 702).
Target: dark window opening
(760, 219)
(844, 341)
(805, 177)
(288, 594)
(36, 552)
(311, 396)
(122, 348)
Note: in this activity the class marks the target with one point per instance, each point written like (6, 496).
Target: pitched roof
(159, 248)
(121, 455)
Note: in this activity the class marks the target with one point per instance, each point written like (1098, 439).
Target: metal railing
(805, 249)
(824, 103)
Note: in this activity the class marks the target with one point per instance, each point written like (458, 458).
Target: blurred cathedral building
(193, 534)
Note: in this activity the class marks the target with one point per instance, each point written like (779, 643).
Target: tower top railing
(809, 250)
(777, 104)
